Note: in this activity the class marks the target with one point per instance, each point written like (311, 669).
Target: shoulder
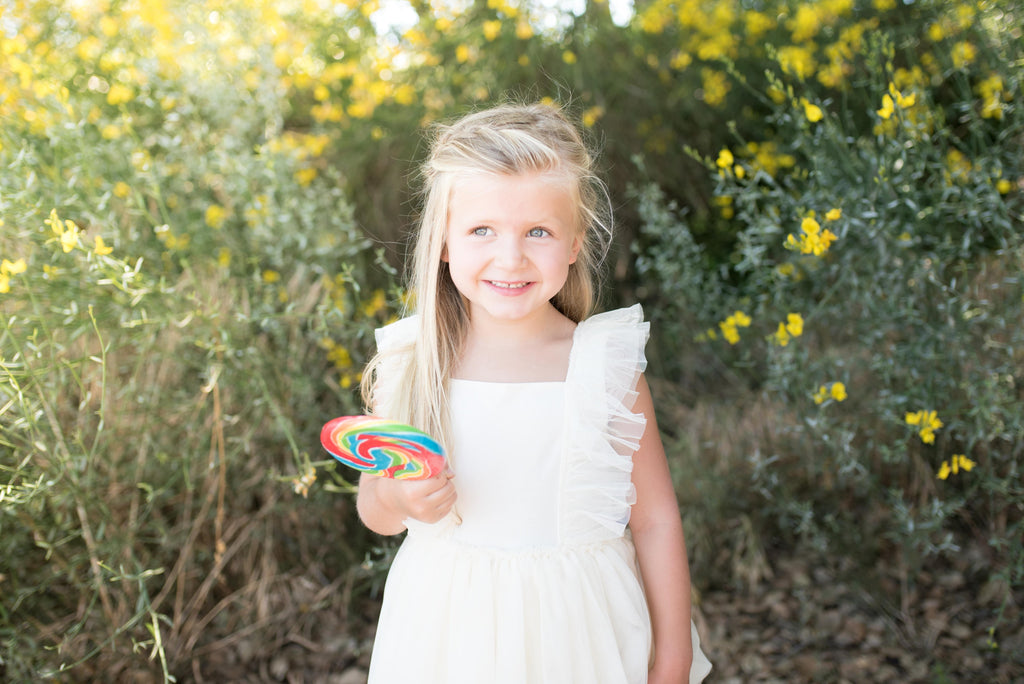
(609, 349)
(627, 322)
(398, 335)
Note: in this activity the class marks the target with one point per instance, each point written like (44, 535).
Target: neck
(517, 351)
(544, 325)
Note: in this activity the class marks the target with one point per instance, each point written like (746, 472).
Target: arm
(384, 504)
(661, 551)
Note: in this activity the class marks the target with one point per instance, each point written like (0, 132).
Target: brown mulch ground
(806, 622)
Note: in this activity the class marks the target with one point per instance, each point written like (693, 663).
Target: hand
(427, 500)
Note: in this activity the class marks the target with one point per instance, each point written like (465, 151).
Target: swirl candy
(383, 447)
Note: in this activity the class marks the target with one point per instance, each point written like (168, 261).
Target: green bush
(186, 298)
(876, 301)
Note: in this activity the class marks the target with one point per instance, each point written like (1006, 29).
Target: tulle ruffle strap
(394, 342)
(602, 432)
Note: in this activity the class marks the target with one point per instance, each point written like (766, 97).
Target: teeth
(508, 286)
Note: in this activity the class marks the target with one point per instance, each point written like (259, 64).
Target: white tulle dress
(539, 584)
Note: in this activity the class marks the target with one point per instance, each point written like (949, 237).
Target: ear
(577, 244)
(444, 252)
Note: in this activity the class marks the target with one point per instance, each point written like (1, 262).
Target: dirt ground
(806, 622)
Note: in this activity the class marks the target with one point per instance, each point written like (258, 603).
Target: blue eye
(481, 230)
(537, 232)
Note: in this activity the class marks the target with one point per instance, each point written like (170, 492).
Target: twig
(94, 563)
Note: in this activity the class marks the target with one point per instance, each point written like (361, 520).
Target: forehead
(552, 191)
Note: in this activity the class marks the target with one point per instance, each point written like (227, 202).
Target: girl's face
(509, 243)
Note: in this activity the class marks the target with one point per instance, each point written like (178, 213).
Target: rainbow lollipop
(383, 447)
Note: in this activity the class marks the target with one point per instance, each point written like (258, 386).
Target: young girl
(552, 551)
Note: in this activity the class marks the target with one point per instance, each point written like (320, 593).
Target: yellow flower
(903, 101)
(66, 231)
(591, 116)
(523, 30)
(13, 267)
(838, 391)
(729, 331)
(119, 94)
(680, 61)
(781, 337)
(729, 327)
(955, 465)
(569, 57)
(302, 483)
(725, 158)
(462, 53)
(492, 29)
(959, 166)
(215, 215)
(101, 248)
(405, 94)
(887, 107)
(795, 324)
(376, 303)
(122, 189)
(821, 395)
(305, 176)
(340, 357)
(270, 276)
(812, 239)
(963, 54)
(834, 214)
(811, 111)
(798, 61)
(715, 85)
(1004, 186)
(55, 224)
(792, 327)
(927, 423)
(8, 269)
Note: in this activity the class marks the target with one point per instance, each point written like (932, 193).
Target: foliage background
(203, 208)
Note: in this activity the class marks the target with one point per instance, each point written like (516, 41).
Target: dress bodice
(507, 471)
(557, 456)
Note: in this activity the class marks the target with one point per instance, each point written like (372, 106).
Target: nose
(509, 251)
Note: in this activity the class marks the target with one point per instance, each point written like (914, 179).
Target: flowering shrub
(888, 244)
(174, 258)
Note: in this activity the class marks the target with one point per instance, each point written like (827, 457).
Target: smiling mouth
(508, 286)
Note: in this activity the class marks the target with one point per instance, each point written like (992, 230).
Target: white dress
(539, 584)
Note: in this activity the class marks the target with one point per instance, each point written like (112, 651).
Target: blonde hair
(506, 140)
